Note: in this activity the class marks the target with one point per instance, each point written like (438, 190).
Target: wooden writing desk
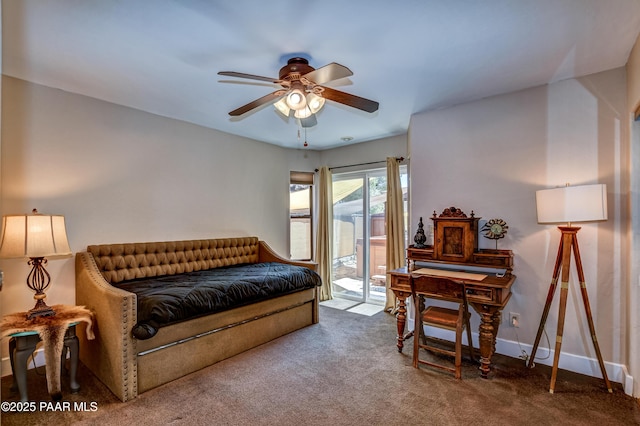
(487, 296)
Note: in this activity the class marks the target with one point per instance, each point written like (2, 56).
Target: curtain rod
(363, 164)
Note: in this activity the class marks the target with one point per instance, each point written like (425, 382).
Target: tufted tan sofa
(129, 366)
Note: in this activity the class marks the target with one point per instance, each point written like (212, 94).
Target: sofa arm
(111, 356)
(267, 254)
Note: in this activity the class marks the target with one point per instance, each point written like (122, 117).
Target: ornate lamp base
(41, 309)
(38, 281)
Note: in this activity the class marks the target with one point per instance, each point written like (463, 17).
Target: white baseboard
(38, 358)
(576, 363)
(571, 362)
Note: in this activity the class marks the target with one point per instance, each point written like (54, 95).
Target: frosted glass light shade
(315, 102)
(302, 113)
(27, 236)
(296, 100)
(282, 107)
(582, 203)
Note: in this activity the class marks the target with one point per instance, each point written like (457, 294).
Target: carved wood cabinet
(455, 238)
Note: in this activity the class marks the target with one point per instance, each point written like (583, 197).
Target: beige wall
(372, 151)
(633, 96)
(491, 156)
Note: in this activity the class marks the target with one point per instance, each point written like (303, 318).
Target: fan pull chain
(300, 134)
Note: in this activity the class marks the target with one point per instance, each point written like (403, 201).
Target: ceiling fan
(302, 91)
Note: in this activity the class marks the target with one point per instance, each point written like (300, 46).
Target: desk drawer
(480, 294)
(435, 287)
(400, 282)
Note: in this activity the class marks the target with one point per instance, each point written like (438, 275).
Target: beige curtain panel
(324, 240)
(395, 228)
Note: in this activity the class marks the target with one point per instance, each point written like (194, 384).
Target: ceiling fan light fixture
(303, 113)
(296, 100)
(302, 86)
(315, 102)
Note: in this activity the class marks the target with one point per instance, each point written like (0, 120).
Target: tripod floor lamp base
(568, 245)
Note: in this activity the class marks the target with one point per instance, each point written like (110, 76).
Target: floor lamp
(569, 204)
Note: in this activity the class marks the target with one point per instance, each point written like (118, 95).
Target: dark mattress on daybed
(173, 298)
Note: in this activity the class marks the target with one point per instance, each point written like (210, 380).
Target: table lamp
(36, 237)
(569, 204)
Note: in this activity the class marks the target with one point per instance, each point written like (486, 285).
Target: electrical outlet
(514, 319)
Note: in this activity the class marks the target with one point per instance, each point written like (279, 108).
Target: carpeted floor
(344, 371)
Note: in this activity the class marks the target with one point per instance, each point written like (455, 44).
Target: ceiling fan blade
(349, 99)
(328, 73)
(249, 76)
(310, 121)
(271, 97)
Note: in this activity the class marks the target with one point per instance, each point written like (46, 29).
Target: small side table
(58, 334)
(22, 345)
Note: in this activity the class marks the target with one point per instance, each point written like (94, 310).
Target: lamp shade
(315, 102)
(282, 107)
(582, 203)
(302, 113)
(36, 235)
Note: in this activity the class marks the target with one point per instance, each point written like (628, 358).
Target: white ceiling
(163, 56)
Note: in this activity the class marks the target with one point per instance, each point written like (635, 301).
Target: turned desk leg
(489, 324)
(401, 319)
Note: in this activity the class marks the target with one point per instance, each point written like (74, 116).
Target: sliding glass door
(359, 236)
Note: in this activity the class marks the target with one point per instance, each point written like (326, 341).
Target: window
(301, 215)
